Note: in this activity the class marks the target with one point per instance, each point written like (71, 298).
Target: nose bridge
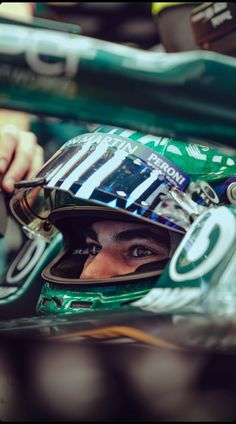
(104, 265)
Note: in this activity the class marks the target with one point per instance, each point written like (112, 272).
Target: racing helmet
(118, 175)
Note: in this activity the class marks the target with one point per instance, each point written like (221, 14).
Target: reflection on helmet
(122, 192)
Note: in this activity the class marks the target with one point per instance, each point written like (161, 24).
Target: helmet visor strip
(109, 171)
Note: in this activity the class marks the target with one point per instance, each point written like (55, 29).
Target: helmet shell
(156, 180)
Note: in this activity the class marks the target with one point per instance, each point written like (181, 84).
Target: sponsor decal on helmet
(206, 244)
(26, 260)
(115, 151)
(204, 258)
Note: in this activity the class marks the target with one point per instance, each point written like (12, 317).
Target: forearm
(22, 11)
(19, 119)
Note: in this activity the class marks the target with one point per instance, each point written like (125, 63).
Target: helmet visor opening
(103, 246)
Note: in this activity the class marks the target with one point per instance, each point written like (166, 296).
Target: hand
(20, 155)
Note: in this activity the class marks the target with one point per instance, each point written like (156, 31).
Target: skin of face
(116, 248)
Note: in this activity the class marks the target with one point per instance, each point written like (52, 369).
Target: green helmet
(118, 175)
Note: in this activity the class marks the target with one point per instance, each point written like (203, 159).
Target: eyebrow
(145, 234)
(138, 233)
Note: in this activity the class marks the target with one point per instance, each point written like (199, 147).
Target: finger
(37, 163)
(8, 142)
(22, 160)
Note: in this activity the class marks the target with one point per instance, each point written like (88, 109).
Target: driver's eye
(140, 252)
(94, 249)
